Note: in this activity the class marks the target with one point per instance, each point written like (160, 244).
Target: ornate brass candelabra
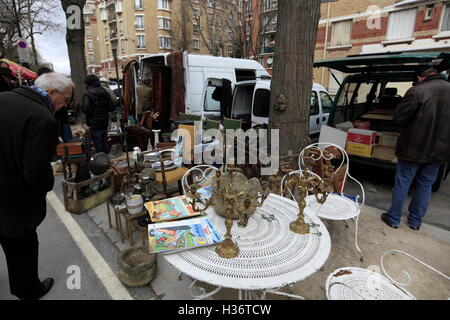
(304, 183)
(241, 198)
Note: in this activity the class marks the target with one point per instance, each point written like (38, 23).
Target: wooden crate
(71, 190)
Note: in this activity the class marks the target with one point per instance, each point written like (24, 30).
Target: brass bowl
(235, 184)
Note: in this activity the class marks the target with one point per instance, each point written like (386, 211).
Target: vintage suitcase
(70, 148)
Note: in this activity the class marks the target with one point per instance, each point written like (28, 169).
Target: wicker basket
(72, 199)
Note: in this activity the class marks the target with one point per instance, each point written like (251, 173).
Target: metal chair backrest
(186, 116)
(316, 154)
(199, 175)
(231, 123)
(211, 124)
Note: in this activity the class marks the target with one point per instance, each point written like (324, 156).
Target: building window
(138, 4)
(139, 22)
(140, 43)
(266, 5)
(196, 43)
(122, 45)
(163, 4)
(341, 33)
(90, 45)
(446, 19)
(401, 24)
(164, 43)
(91, 59)
(230, 49)
(195, 13)
(164, 23)
(196, 28)
(121, 27)
(429, 13)
(88, 31)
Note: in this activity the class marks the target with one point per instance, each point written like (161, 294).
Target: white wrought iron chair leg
(203, 295)
(281, 293)
(180, 275)
(356, 239)
(404, 272)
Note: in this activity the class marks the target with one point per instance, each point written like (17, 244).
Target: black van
(375, 84)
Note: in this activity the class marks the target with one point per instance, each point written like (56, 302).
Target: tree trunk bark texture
(295, 42)
(75, 47)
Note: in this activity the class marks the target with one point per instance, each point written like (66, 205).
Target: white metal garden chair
(199, 175)
(337, 206)
(362, 284)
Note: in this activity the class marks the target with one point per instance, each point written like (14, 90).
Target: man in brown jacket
(423, 146)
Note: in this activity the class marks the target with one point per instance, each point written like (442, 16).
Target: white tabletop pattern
(271, 256)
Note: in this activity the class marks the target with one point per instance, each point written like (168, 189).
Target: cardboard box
(344, 126)
(333, 135)
(360, 124)
(389, 139)
(384, 153)
(359, 149)
(362, 136)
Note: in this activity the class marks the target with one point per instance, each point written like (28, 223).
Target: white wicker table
(271, 256)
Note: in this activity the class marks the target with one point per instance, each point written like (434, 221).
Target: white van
(214, 87)
(179, 79)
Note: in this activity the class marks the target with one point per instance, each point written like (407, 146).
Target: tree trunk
(295, 43)
(75, 47)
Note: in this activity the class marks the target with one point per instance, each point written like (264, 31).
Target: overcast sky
(52, 45)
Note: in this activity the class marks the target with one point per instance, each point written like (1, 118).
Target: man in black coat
(423, 145)
(97, 104)
(28, 138)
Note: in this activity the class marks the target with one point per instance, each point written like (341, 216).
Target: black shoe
(384, 218)
(46, 285)
(414, 228)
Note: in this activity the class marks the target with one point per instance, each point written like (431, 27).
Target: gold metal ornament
(234, 197)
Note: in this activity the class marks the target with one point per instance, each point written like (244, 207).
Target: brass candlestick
(305, 182)
(227, 248)
(300, 226)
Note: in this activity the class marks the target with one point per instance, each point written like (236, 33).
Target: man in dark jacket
(423, 145)
(62, 116)
(28, 138)
(96, 105)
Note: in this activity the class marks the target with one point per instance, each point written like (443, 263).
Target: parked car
(375, 85)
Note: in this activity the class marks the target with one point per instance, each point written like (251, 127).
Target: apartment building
(349, 27)
(139, 27)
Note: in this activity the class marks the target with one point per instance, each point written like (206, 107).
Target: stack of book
(176, 226)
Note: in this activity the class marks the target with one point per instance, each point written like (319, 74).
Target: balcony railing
(270, 49)
(112, 16)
